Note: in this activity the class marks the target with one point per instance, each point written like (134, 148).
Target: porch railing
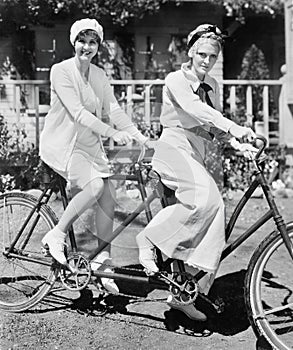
(141, 99)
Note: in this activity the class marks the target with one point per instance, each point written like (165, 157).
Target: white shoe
(146, 254)
(55, 240)
(108, 283)
(189, 309)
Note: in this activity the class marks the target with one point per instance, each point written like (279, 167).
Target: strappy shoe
(147, 255)
(55, 241)
(108, 283)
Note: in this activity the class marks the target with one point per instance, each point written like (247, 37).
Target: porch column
(286, 96)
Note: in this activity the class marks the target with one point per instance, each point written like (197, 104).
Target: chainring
(77, 274)
(184, 288)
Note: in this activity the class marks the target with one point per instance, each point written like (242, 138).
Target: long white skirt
(192, 230)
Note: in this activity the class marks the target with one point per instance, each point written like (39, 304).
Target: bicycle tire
(24, 283)
(269, 291)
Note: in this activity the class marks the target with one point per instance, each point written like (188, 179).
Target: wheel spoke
(269, 294)
(278, 309)
(23, 281)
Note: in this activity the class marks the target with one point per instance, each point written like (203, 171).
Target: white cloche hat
(84, 24)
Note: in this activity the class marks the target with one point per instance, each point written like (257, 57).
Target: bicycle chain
(184, 291)
(132, 298)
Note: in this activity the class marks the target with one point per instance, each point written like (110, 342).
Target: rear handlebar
(141, 154)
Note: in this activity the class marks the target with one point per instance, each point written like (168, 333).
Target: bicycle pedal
(101, 289)
(45, 251)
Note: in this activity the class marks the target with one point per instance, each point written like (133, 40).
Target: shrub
(18, 158)
(21, 169)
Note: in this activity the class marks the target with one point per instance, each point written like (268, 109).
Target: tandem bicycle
(27, 274)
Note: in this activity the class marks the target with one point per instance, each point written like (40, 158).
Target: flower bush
(237, 171)
(19, 160)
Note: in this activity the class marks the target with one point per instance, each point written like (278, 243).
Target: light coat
(67, 110)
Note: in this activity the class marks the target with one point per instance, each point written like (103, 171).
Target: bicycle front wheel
(269, 291)
(26, 275)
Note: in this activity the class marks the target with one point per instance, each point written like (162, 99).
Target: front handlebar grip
(264, 142)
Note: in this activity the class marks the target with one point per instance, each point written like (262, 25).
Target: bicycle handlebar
(262, 147)
(257, 156)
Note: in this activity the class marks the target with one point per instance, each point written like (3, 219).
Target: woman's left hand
(122, 137)
(246, 149)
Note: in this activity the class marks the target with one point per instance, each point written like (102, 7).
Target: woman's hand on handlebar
(242, 132)
(122, 137)
(246, 149)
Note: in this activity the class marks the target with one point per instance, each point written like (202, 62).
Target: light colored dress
(88, 159)
(70, 141)
(193, 229)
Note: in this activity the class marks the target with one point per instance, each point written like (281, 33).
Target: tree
(241, 8)
(17, 14)
(254, 67)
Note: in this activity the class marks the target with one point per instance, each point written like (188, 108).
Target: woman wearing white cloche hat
(71, 144)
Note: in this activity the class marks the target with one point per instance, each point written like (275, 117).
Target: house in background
(149, 40)
(146, 44)
(150, 47)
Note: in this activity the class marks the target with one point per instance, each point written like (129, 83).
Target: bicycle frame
(43, 199)
(273, 212)
(59, 183)
(145, 206)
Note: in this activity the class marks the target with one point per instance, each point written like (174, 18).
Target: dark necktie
(202, 92)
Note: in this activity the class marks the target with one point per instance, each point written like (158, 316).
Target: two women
(193, 229)
(71, 139)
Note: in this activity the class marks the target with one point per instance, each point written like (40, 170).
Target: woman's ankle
(102, 257)
(143, 242)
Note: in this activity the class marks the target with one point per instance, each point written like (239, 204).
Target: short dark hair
(90, 32)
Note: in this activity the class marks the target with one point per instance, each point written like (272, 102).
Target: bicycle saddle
(48, 174)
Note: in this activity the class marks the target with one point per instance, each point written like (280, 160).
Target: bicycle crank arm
(217, 307)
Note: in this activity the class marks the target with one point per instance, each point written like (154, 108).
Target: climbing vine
(17, 14)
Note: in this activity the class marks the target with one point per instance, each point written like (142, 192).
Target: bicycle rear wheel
(269, 291)
(26, 275)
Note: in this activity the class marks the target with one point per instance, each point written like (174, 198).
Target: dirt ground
(139, 318)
